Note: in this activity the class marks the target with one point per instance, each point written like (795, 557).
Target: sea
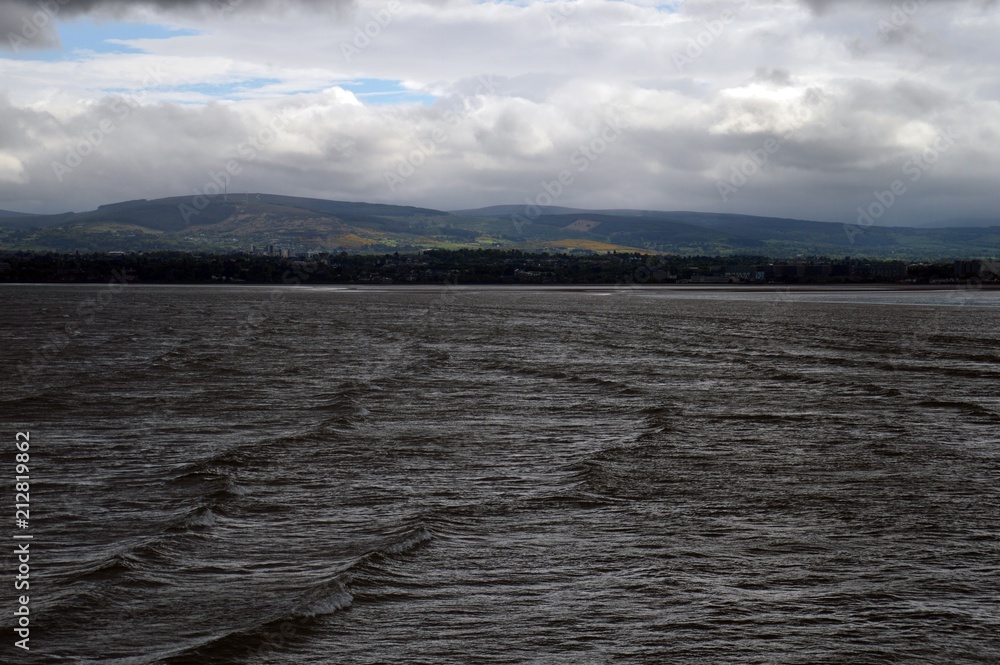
(442, 474)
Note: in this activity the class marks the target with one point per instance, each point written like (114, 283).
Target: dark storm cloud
(30, 24)
(86, 6)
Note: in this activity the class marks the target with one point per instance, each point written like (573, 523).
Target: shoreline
(431, 286)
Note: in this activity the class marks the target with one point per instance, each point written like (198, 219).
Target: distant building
(819, 272)
(744, 274)
(789, 270)
(891, 271)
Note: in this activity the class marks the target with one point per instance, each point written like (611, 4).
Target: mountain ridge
(301, 225)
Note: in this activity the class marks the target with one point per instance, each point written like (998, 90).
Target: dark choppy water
(490, 476)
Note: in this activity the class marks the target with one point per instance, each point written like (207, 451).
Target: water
(244, 475)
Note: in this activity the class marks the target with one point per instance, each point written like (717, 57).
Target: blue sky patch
(86, 36)
(386, 91)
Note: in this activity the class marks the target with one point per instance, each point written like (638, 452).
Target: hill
(300, 225)
(10, 213)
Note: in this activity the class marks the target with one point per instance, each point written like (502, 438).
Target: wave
(325, 597)
(338, 598)
(552, 373)
(271, 630)
(929, 367)
(618, 473)
(570, 501)
(37, 404)
(139, 563)
(624, 387)
(410, 542)
(199, 518)
(114, 566)
(219, 469)
(216, 476)
(969, 408)
(805, 416)
(342, 409)
(147, 558)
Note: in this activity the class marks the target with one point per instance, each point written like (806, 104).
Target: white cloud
(520, 88)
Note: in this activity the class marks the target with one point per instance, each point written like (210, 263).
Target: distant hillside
(688, 232)
(962, 222)
(234, 223)
(507, 210)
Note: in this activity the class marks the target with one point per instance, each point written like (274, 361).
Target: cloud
(775, 76)
(510, 93)
(26, 26)
(31, 24)
(820, 6)
(74, 7)
(837, 145)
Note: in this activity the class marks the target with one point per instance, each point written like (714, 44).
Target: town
(481, 266)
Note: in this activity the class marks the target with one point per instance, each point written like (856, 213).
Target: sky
(811, 109)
